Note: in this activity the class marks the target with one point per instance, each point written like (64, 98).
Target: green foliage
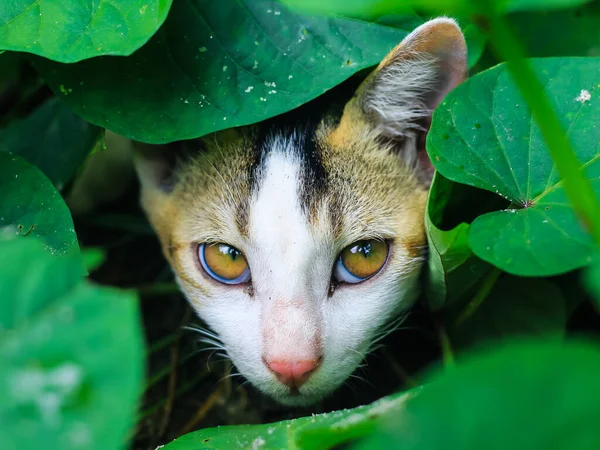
(30, 207)
(481, 404)
(72, 30)
(453, 269)
(368, 8)
(496, 145)
(476, 405)
(307, 433)
(500, 315)
(211, 78)
(52, 138)
(583, 40)
(514, 199)
(71, 354)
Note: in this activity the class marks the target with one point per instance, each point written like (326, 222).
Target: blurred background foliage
(161, 71)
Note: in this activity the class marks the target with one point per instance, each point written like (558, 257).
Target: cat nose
(293, 373)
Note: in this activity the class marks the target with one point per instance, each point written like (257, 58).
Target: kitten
(298, 239)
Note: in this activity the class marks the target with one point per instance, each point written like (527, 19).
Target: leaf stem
(446, 345)
(484, 290)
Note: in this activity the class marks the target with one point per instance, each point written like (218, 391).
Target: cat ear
(156, 164)
(397, 99)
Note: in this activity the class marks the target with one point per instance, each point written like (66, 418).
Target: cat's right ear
(156, 165)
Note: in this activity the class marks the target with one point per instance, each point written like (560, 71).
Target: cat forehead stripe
(301, 144)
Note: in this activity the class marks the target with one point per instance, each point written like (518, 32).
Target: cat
(297, 240)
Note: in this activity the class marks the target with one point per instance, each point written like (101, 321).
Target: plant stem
(447, 352)
(484, 290)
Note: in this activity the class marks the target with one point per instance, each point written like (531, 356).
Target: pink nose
(293, 373)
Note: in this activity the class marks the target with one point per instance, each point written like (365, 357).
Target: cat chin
(297, 399)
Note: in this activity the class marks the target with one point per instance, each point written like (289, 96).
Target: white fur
(395, 101)
(290, 315)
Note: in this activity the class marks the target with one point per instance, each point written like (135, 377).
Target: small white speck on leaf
(202, 49)
(255, 42)
(277, 13)
(290, 77)
(224, 118)
(249, 88)
(224, 68)
(584, 96)
(255, 65)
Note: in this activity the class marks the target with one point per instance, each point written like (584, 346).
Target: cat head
(299, 239)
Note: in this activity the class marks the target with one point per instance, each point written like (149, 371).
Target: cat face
(298, 240)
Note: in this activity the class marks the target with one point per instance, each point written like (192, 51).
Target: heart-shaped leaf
(483, 135)
(72, 30)
(525, 395)
(71, 354)
(52, 138)
(215, 65)
(30, 206)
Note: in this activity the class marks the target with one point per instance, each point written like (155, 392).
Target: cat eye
(361, 261)
(224, 263)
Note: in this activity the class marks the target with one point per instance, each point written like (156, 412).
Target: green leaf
(52, 138)
(71, 355)
(72, 30)
(215, 65)
(531, 395)
(453, 269)
(31, 207)
(316, 432)
(483, 135)
(369, 8)
(531, 307)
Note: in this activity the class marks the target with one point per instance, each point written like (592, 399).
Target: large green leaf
(214, 65)
(453, 269)
(531, 307)
(52, 138)
(72, 30)
(369, 8)
(71, 355)
(307, 433)
(483, 135)
(533, 395)
(30, 206)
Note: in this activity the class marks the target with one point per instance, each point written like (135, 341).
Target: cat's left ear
(397, 99)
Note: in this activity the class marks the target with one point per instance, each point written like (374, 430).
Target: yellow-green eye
(361, 260)
(224, 263)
